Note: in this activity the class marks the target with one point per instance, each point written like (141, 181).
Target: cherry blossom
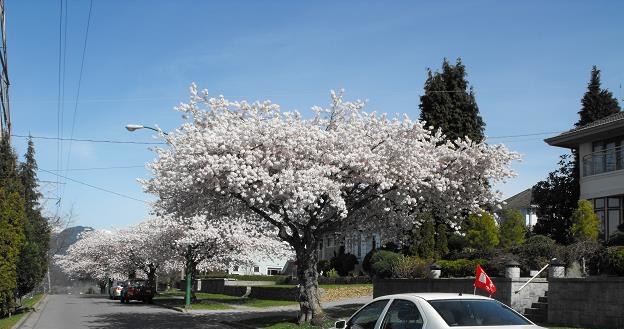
(311, 176)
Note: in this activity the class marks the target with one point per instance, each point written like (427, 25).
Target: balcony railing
(599, 162)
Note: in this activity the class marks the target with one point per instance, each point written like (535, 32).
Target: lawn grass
(217, 301)
(9, 322)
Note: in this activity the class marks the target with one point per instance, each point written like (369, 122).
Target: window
(256, 269)
(613, 202)
(367, 317)
(330, 242)
(599, 203)
(274, 271)
(476, 312)
(402, 314)
(235, 268)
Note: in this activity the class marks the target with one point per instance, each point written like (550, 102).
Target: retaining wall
(505, 289)
(595, 302)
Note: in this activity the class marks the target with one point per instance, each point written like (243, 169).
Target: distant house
(261, 267)
(522, 202)
(600, 146)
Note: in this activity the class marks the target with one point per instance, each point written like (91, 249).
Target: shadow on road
(149, 320)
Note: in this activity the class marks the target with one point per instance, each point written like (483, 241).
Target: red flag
(483, 281)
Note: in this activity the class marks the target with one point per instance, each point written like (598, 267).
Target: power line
(73, 122)
(94, 187)
(100, 168)
(89, 140)
(526, 135)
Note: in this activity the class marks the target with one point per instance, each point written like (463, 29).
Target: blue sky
(529, 63)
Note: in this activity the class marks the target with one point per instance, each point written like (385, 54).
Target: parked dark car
(137, 290)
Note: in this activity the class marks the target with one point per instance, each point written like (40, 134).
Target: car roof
(435, 296)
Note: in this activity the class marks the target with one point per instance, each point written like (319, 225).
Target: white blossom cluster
(162, 245)
(302, 174)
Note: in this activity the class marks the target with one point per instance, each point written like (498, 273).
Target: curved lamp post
(189, 284)
(133, 127)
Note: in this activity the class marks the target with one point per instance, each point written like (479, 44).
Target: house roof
(520, 200)
(602, 127)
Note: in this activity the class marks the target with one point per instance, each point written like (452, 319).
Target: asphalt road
(75, 312)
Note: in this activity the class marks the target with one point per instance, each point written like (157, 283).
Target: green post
(189, 284)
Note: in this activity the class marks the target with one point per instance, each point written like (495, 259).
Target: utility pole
(5, 112)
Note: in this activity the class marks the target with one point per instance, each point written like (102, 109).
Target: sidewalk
(295, 307)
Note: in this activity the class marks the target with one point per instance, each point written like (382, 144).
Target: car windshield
(476, 312)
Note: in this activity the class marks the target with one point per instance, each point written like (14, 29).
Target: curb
(175, 308)
(28, 315)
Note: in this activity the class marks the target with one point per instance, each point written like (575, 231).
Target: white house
(600, 145)
(522, 202)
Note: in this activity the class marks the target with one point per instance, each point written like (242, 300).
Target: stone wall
(596, 302)
(276, 293)
(505, 289)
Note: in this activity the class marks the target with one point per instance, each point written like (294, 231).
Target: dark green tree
(12, 217)
(449, 103)
(597, 103)
(512, 229)
(556, 199)
(33, 260)
(426, 244)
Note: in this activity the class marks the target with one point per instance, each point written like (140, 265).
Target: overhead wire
(73, 122)
(89, 140)
(95, 187)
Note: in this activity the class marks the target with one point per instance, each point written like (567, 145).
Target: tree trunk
(151, 277)
(309, 297)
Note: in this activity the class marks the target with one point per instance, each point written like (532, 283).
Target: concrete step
(542, 306)
(542, 299)
(534, 311)
(537, 318)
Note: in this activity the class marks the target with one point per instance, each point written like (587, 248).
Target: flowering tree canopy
(165, 244)
(309, 176)
(93, 256)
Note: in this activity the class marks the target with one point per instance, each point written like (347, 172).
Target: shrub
(343, 263)
(411, 267)
(460, 267)
(332, 273)
(585, 222)
(383, 262)
(615, 258)
(536, 252)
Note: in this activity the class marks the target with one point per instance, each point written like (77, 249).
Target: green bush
(383, 262)
(411, 267)
(343, 263)
(536, 252)
(460, 267)
(332, 273)
(615, 259)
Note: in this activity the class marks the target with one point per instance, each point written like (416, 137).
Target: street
(86, 311)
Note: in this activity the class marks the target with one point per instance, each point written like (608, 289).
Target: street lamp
(133, 127)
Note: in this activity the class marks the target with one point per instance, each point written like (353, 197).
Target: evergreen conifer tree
(33, 261)
(12, 217)
(512, 229)
(449, 103)
(482, 232)
(597, 103)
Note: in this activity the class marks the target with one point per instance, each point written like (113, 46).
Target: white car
(114, 291)
(435, 311)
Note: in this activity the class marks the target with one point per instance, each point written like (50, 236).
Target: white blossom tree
(308, 177)
(95, 256)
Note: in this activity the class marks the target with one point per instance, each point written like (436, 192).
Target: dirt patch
(347, 291)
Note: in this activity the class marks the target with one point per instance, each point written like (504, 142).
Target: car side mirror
(340, 324)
